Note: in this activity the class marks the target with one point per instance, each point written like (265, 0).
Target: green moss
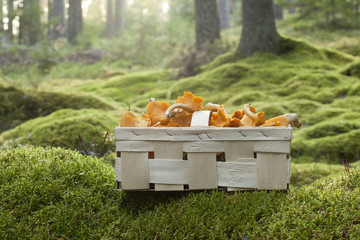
(17, 106)
(56, 193)
(225, 58)
(307, 173)
(352, 69)
(329, 146)
(62, 127)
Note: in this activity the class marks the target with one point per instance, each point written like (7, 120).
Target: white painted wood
(135, 146)
(134, 171)
(272, 146)
(171, 151)
(168, 171)
(237, 174)
(235, 150)
(202, 171)
(200, 119)
(288, 170)
(203, 133)
(272, 171)
(117, 169)
(238, 149)
(169, 187)
(204, 146)
(168, 150)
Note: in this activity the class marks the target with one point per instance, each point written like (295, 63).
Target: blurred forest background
(69, 69)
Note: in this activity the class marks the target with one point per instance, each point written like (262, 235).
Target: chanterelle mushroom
(130, 120)
(251, 118)
(283, 120)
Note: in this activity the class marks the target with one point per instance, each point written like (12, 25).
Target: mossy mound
(17, 106)
(63, 127)
(57, 193)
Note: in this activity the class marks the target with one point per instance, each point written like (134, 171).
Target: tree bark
(206, 22)
(278, 12)
(259, 31)
(75, 21)
(10, 16)
(224, 14)
(109, 21)
(56, 19)
(1, 17)
(120, 9)
(30, 25)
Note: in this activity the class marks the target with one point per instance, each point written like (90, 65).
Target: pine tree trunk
(224, 14)
(259, 32)
(11, 16)
(207, 23)
(1, 17)
(56, 19)
(120, 9)
(30, 26)
(109, 21)
(278, 12)
(75, 21)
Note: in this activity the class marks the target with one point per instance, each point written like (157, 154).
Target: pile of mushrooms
(162, 114)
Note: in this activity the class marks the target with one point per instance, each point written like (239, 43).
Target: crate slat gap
(255, 158)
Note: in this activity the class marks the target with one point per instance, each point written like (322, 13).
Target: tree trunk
(224, 14)
(109, 21)
(259, 32)
(207, 23)
(30, 25)
(120, 9)
(56, 19)
(10, 16)
(75, 21)
(292, 6)
(278, 12)
(1, 17)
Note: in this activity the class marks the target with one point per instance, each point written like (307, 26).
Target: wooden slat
(171, 151)
(117, 169)
(202, 171)
(134, 170)
(272, 171)
(204, 146)
(168, 150)
(168, 171)
(237, 174)
(272, 146)
(235, 150)
(169, 187)
(203, 133)
(134, 146)
(200, 119)
(288, 170)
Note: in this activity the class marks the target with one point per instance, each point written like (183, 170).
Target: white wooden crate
(178, 159)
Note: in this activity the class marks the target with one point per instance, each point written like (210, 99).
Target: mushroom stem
(248, 112)
(169, 114)
(156, 124)
(293, 119)
(212, 106)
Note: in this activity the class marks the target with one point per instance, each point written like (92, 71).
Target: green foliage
(17, 106)
(63, 127)
(57, 193)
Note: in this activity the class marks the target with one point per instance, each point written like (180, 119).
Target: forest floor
(317, 78)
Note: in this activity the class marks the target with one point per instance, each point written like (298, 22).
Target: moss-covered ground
(59, 194)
